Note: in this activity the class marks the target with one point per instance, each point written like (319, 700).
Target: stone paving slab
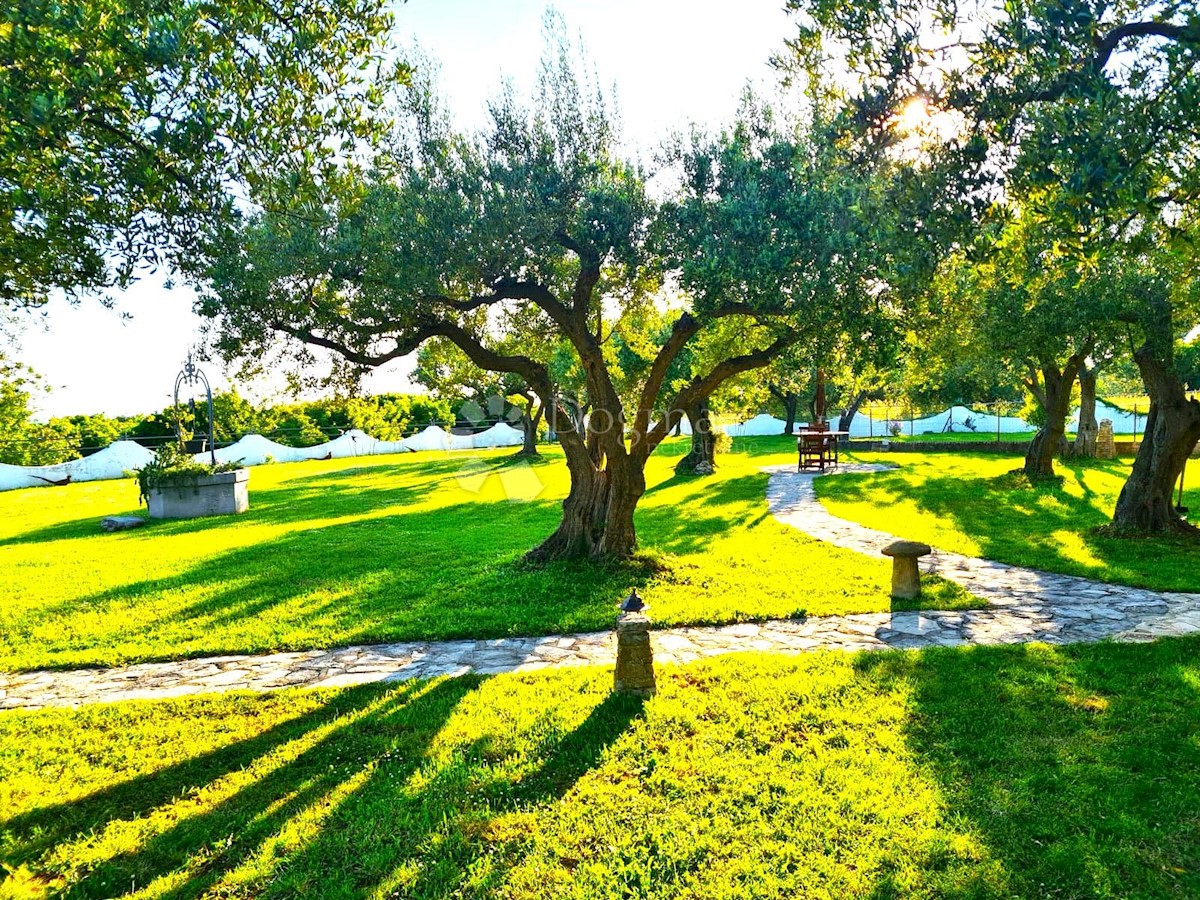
(1025, 605)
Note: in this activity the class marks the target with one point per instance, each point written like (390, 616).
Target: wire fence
(992, 421)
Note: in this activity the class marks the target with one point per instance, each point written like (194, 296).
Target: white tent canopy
(499, 435)
(956, 419)
(432, 438)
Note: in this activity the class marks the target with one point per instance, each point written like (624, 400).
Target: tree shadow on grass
(1014, 522)
(698, 510)
(37, 831)
(377, 795)
(433, 844)
(424, 574)
(1078, 767)
(451, 572)
(343, 492)
(268, 506)
(275, 784)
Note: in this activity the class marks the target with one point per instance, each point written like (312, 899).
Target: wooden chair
(831, 444)
(813, 448)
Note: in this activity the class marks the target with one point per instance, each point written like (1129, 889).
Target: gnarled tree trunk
(607, 465)
(597, 518)
(846, 419)
(700, 459)
(1085, 436)
(1054, 395)
(529, 429)
(791, 403)
(1172, 430)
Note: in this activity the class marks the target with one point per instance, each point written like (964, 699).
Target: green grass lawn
(958, 437)
(423, 546)
(969, 504)
(1014, 772)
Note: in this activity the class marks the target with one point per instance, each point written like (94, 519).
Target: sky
(671, 62)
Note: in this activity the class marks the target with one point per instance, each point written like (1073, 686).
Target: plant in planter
(176, 486)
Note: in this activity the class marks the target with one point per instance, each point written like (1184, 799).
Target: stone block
(210, 495)
(635, 659)
(1106, 447)
(121, 523)
(906, 578)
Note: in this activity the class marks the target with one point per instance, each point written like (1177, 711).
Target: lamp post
(634, 672)
(192, 376)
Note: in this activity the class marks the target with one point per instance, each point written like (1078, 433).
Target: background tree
(789, 380)
(124, 124)
(1047, 312)
(23, 441)
(477, 395)
(1088, 115)
(1166, 307)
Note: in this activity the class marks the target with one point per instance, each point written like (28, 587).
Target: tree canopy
(125, 125)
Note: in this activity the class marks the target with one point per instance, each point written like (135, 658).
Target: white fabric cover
(760, 424)
(254, 450)
(1123, 422)
(956, 416)
(499, 435)
(112, 462)
(432, 438)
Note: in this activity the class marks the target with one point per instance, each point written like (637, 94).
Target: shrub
(722, 442)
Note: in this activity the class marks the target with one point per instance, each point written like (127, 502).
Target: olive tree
(538, 223)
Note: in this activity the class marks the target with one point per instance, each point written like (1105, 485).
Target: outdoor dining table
(821, 442)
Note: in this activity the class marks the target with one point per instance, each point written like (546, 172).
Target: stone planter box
(225, 494)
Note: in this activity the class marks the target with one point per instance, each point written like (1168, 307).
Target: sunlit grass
(959, 437)
(423, 546)
(965, 503)
(995, 772)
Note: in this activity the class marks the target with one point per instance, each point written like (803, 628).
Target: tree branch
(1182, 34)
(700, 388)
(681, 332)
(685, 328)
(1107, 45)
(502, 289)
(404, 345)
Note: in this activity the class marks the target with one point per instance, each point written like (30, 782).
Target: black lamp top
(632, 603)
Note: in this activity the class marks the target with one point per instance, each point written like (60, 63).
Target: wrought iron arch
(193, 376)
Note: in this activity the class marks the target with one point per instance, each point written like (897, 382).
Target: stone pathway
(1026, 606)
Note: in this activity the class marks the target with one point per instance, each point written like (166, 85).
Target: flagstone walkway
(1026, 605)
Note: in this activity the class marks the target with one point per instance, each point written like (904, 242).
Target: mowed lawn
(970, 503)
(1014, 772)
(414, 547)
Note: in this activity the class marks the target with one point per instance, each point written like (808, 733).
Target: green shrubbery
(25, 442)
